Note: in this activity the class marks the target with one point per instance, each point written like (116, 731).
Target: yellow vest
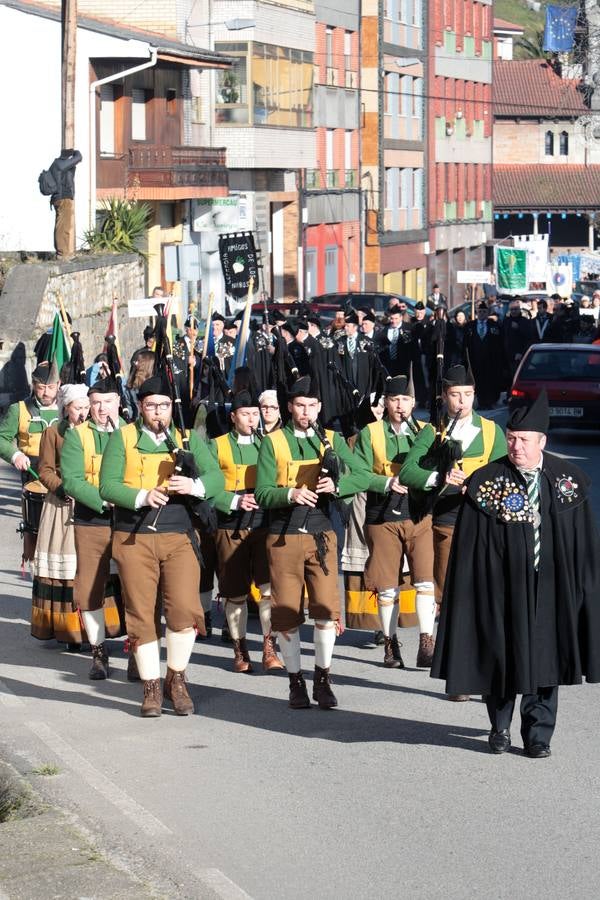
(381, 464)
(238, 476)
(26, 442)
(471, 463)
(145, 470)
(92, 460)
(294, 473)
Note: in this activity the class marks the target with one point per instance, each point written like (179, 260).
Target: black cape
(502, 630)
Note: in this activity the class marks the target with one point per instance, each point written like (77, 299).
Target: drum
(32, 502)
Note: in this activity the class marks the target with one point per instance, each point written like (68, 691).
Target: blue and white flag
(559, 33)
(239, 356)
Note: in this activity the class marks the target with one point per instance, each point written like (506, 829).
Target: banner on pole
(511, 269)
(238, 261)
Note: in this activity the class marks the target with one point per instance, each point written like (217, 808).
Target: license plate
(574, 412)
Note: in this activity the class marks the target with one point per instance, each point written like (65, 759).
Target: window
(347, 150)
(329, 48)
(171, 101)
(391, 188)
(138, 114)
(107, 120)
(549, 144)
(232, 88)
(282, 81)
(563, 143)
(329, 148)
(406, 188)
(347, 50)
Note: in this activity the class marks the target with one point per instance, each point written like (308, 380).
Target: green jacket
(9, 427)
(397, 447)
(72, 465)
(270, 496)
(114, 491)
(414, 474)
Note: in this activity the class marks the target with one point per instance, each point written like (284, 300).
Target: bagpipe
(331, 467)
(127, 408)
(201, 509)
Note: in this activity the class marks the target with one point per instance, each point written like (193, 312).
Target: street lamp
(230, 24)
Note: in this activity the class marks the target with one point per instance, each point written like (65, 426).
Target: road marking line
(8, 697)
(222, 885)
(141, 817)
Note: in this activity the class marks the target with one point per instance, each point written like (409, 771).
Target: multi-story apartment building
(332, 236)
(393, 52)
(459, 139)
(262, 111)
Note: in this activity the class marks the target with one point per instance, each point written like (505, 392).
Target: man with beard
(520, 612)
(24, 422)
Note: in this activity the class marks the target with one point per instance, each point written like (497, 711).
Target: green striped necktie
(533, 494)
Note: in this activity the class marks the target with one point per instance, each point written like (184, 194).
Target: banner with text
(238, 261)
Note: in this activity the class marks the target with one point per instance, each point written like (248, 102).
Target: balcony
(313, 179)
(153, 170)
(350, 178)
(332, 178)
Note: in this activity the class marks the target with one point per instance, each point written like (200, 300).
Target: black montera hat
(351, 318)
(529, 415)
(191, 322)
(156, 384)
(45, 373)
(243, 399)
(108, 385)
(399, 384)
(304, 387)
(457, 376)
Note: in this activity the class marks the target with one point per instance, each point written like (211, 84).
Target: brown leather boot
(152, 705)
(270, 660)
(132, 669)
(322, 692)
(389, 660)
(425, 652)
(298, 694)
(99, 669)
(177, 692)
(241, 657)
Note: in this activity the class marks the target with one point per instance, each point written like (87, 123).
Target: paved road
(392, 794)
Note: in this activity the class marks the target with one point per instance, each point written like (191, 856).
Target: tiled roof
(531, 88)
(547, 187)
(503, 25)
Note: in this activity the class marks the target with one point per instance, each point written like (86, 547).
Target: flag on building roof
(559, 33)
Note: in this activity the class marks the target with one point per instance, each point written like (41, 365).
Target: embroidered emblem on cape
(506, 499)
(566, 489)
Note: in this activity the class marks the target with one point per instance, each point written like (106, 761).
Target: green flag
(511, 269)
(59, 352)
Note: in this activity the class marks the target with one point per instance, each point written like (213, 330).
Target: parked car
(570, 373)
(376, 301)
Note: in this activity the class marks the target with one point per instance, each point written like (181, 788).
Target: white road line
(222, 885)
(9, 698)
(140, 816)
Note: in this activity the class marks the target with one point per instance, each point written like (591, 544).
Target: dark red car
(571, 375)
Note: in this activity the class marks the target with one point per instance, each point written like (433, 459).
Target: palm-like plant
(122, 229)
(532, 47)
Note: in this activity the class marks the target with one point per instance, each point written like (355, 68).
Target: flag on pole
(241, 342)
(559, 279)
(511, 269)
(559, 32)
(59, 351)
(209, 338)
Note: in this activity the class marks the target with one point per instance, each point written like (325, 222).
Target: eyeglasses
(157, 407)
(274, 408)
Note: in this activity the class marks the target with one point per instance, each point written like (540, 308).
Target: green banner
(59, 351)
(511, 269)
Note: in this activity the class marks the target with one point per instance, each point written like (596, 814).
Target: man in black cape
(521, 612)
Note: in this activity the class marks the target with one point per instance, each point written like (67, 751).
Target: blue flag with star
(559, 33)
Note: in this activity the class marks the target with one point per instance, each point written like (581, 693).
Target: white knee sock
(179, 648)
(324, 639)
(387, 604)
(425, 608)
(147, 657)
(236, 611)
(289, 644)
(264, 609)
(94, 625)
(206, 598)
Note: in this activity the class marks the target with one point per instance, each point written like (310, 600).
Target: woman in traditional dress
(53, 614)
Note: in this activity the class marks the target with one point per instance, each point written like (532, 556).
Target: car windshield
(561, 365)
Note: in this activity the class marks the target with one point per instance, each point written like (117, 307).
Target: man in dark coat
(483, 344)
(63, 170)
(517, 336)
(395, 344)
(520, 612)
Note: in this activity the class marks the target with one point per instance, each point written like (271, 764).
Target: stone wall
(87, 286)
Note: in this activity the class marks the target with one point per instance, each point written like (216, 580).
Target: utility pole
(67, 93)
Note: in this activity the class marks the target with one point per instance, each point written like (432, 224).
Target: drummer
(24, 422)
(21, 430)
